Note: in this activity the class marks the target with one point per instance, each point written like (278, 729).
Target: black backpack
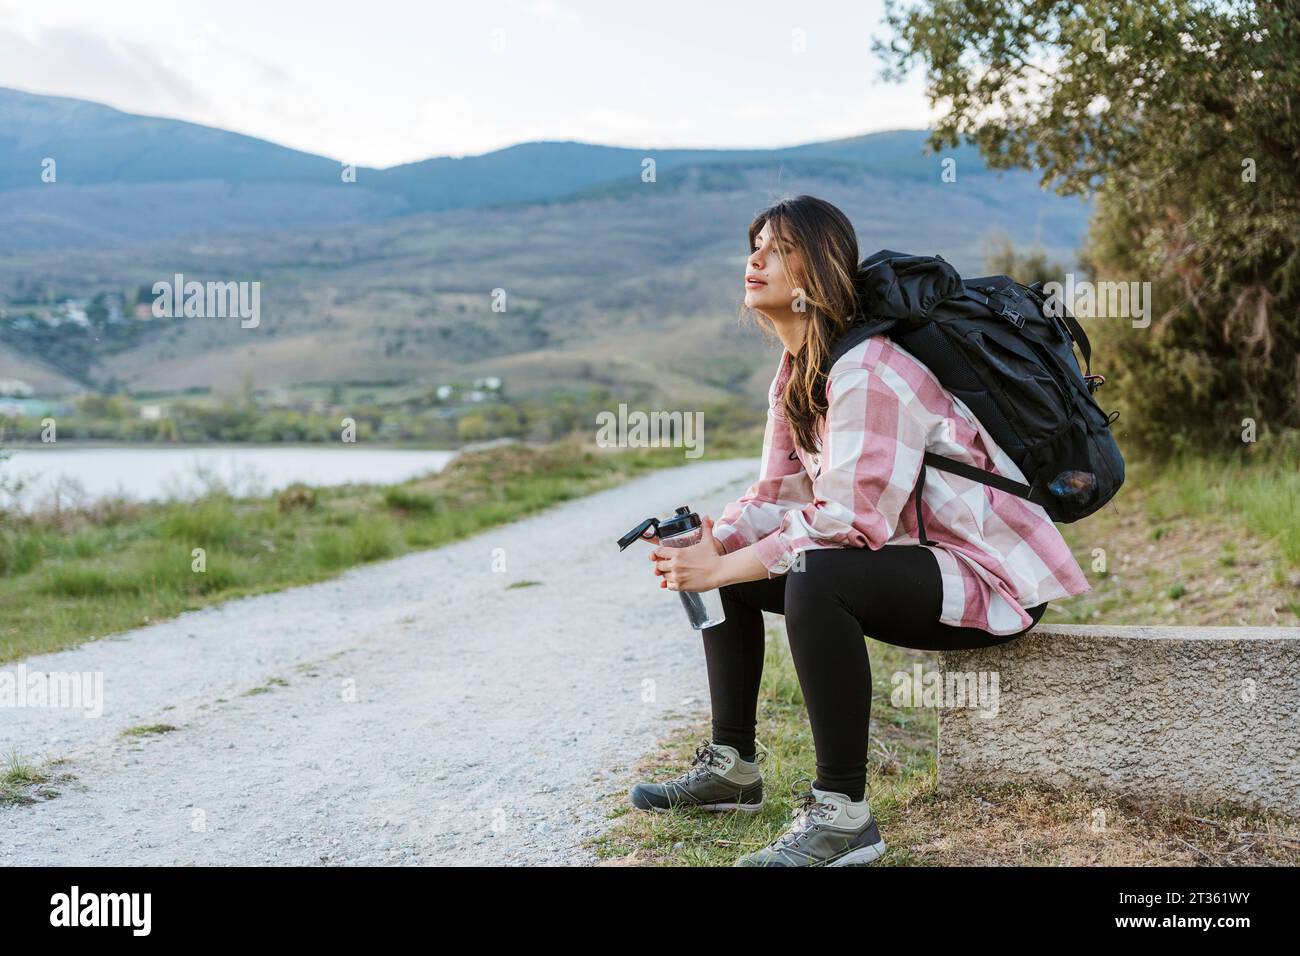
(999, 347)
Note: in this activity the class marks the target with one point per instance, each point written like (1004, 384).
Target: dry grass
(1174, 561)
(1040, 826)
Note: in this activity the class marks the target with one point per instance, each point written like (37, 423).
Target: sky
(384, 82)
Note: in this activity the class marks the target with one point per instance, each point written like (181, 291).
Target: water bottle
(682, 530)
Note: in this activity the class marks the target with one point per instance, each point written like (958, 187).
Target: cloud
(248, 94)
(613, 121)
(550, 10)
(65, 61)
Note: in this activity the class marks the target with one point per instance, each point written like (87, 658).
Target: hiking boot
(718, 780)
(828, 830)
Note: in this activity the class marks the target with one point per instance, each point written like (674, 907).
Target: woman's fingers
(663, 564)
(664, 568)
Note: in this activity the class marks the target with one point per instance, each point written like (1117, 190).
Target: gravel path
(419, 711)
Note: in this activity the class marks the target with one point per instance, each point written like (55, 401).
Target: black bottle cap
(637, 532)
(684, 519)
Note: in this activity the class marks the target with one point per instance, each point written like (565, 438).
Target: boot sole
(862, 856)
(710, 807)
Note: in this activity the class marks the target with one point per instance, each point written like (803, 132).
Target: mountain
(606, 279)
(122, 179)
(97, 145)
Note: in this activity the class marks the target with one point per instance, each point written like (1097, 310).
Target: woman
(827, 536)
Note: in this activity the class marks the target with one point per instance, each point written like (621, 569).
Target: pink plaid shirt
(998, 553)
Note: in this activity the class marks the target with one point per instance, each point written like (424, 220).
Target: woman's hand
(697, 568)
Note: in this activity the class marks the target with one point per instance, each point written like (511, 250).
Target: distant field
(636, 291)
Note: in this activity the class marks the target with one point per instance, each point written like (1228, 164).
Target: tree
(1181, 118)
(1028, 267)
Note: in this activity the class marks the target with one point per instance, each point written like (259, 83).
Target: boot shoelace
(706, 758)
(809, 812)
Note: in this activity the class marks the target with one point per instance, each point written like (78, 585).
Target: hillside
(609, 281)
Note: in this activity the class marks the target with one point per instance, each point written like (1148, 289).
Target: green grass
(901, 766)
(1259, 490)
(76, 576)
(147, 730)
(21, 782)
(400, 499)
(270, 685)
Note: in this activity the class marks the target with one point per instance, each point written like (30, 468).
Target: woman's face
(768, 288)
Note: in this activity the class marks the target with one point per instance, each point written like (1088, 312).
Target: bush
(20, 551)
(87, 580)
(297, 497)
(400, 499)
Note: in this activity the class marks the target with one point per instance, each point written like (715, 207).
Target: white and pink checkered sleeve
(874, 449)
(782, 484)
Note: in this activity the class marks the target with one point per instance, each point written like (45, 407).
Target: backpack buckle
(1012, 316)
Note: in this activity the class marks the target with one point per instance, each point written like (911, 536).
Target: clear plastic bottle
(682, 530)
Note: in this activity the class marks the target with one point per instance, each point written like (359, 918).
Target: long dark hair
(831, 293)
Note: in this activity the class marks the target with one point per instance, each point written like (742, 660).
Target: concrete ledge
(1211, 714)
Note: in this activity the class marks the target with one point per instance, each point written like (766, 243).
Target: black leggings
(893, 594)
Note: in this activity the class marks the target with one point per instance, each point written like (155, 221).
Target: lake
(153, 474)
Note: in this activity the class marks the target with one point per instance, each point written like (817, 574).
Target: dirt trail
(418, 711)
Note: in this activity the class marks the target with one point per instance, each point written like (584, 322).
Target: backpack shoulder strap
(858, 332)
(943, 463)
(1001, 482)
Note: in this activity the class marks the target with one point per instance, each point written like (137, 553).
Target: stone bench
(1211, 714)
